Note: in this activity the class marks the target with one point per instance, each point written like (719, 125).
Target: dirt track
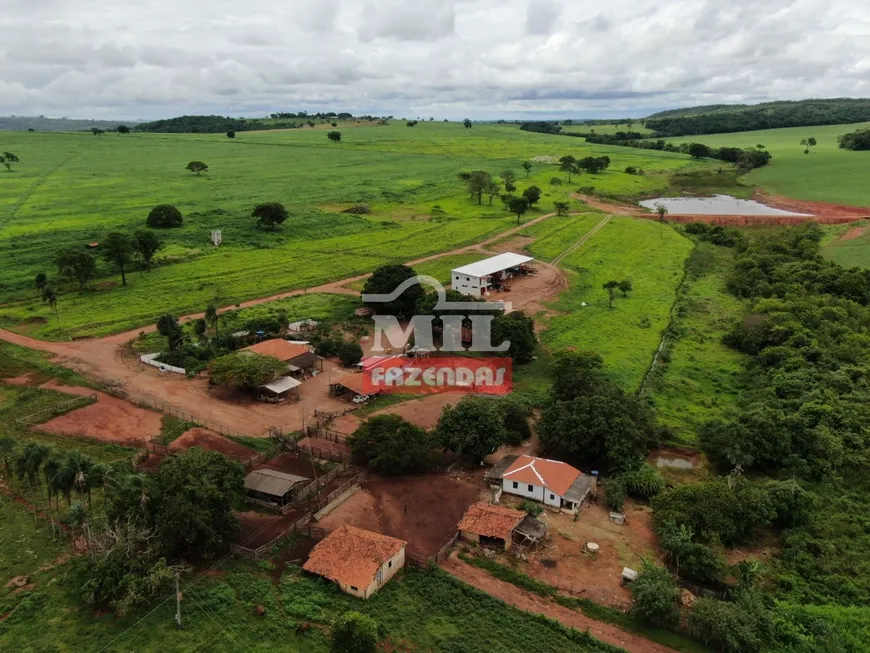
(519, 598)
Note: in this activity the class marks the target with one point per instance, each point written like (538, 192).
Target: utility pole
(177, 603)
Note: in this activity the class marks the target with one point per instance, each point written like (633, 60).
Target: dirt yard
(424, 412)
(424, 511)
(292, 463)
(326, 445)
(109, 420)
(527, 292)
(562, 562)
(211, 441)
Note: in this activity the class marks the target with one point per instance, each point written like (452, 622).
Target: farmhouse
(272, 487)
(489, 525)
(360, 562)
(478, 279)
(552, 482)
(298, 356)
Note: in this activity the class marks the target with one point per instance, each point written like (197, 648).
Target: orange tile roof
(491, 521)
(283, 350)
(352, 556)
(353, 382)
(552, 474)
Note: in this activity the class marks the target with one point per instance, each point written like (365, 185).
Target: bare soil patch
(259, 528)
(110, 419)
(425, 411)
(853, 233)
(346, 424)
(528, 292)
(211, 441)
(292, 463)
(423, 511)
(23, 379)
(325, 445)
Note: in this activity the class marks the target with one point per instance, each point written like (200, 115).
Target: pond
(715, 205)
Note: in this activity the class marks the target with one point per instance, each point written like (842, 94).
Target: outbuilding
(554, 483)
(480, 278)
(281, 389)
(489, 525)
(271, 487)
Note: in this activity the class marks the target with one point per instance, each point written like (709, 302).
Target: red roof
(491, 521)
(283, 350)
(552, 474)
(352, 556)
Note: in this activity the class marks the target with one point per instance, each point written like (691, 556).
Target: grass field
(826, 174)
(699, 377)
(71, 189)
(651, 256)
(849, 251)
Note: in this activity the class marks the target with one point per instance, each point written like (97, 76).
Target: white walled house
(556, 484)
(479, 278)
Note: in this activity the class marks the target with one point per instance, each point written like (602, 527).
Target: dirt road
(519, 598)
(103, 360)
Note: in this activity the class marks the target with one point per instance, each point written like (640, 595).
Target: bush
(354, 633)
(164, 216)
(643, 483)
(744, 626)
(531, 508)
(516, 420)
(655, 595)
(349, 353)
(614, 493)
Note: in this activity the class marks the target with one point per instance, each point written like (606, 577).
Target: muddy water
(715, 205)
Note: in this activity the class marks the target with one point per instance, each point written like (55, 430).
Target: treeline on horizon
(220, 124)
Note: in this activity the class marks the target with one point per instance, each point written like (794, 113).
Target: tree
(269, 214)
(518, 206)
(568, 165)
(334, 136)
(508, 177)
(76, 263)
(527, 166)
(562, 208)
(212, 318)
(808, 143)
(164, 216)
(467, 123)
(7, 159)
(168, 327)
(625, 287)
(49, 296)
(555, 181)
(385, 280)
(492, 190)
(354, 633)
(97, 132)
(477, 182)
(532, 195)
(123, 129)
(231, 134)
(146, 244)
(7, 454)
(192, 501)
(245, 370)
(41, 280)
(390, 445)
(698, 150)
(118, 249)
(611, 287)
(474, 427)
(197, 166)
(594, 164)
(662, 210)
(516, 419)
(350, 353)
(655, 595)
(519, 330)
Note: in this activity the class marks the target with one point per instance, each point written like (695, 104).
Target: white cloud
(448, 58)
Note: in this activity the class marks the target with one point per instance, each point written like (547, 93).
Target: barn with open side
(490, 525)
(480, 278)
(272, 488)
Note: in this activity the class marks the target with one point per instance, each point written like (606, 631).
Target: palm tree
(30, 461)
(212, 318)
(50, 469)
(78, 519)
(76, 472)
(7, 454)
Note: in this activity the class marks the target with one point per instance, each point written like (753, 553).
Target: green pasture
(556, 235)
(610, 128)
(71, 189)
(697, 377)
(649, 254)
(826, 174)
(853, 251)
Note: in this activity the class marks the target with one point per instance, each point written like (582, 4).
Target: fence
(151, 359)
(318, 484)
(445, 550)
(261, 550)
(318, 452)
(57, 409)
(325, 434)
(176, 412)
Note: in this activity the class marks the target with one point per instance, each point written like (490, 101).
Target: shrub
(164, 216)
(531, 508)
(643, 483)
(614, 493)
(349, 353)
(354, 633)
(655, 596)
(516, 420)
(742, 626)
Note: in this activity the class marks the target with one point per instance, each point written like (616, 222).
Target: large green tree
(117, 248)
(76, 263)
(474, 427)
(655, 595)
(519, 330)
(390, 445)
(245, 370)
(385, 280)
(164, 216)
(269, 214)
(146, 244)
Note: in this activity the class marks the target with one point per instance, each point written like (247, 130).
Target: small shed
(349, 386)
(272, 487)
(305, 365)
(530, 531)
(279, 390)
(490, 525)
(302, 326)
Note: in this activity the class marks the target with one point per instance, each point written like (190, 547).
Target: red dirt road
(519, 598)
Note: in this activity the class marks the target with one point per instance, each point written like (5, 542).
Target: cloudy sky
(442, 58)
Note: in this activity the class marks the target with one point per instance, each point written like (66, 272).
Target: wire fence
(45, 414)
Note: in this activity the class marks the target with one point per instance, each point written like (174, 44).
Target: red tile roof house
(556, 484)
(358, 561)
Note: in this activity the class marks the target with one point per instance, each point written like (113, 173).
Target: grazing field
(697, 378)
(558, 234)
(651, 256)
(72, 189)
(848, 246)
(826, 174)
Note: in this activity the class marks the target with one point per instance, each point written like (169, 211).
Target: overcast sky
(410, 58)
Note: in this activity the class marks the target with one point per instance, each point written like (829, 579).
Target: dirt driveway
(519, 598)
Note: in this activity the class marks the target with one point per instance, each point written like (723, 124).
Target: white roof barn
(493, 264)
(479, 278)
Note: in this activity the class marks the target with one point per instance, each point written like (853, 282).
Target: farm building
(554, 483)
(360, 562)
(279, 390)
(302, 326)
(478, 279)
(272, 487)
(351, 386)
(298, 355)
(490, 525)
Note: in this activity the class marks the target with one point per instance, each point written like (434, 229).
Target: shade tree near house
(385, 280)
(390, 445)
(474, 427)
(245, 370)
(354, 632)
(349, 353)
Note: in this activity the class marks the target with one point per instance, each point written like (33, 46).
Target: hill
(43, 124)
(719, 119)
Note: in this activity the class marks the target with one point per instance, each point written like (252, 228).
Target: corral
(424, 511)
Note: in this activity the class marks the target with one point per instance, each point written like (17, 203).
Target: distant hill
(43, 124)
(220, 124)
(724, 118)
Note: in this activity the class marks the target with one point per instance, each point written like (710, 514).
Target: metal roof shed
(493, 264)
(272, 487)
